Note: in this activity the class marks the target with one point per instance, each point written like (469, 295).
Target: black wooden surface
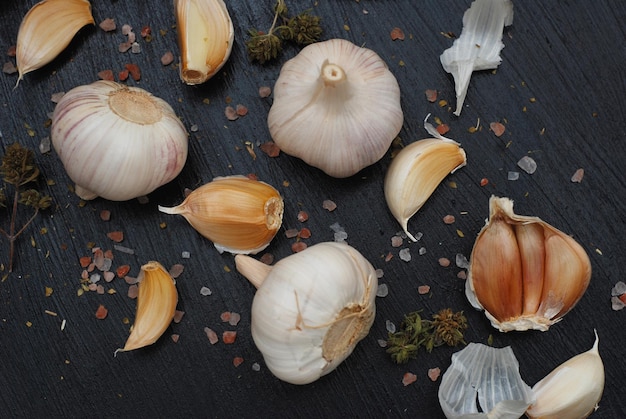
(559, 91)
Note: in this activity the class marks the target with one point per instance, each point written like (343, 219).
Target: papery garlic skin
(488, 375)
(336, 106)
(156, 306)
(46, 30)
(480, 43)
(311, 309)
(523, 272)
(572, 390)
(205, 38)
(238, 214)
(118, 142)
(414, 174)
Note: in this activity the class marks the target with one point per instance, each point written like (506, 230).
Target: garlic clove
(523, 272)
(238, 214)
(336, 106)
(205, 38)
(156, 305)
(118, 142)
(487, 376)
(46, 30)
(415, 173)
(311, 309)
(572, 390)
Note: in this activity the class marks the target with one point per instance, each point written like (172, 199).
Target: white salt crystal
(106, 264)
(382, 290)
(256, 367)
(135, 48)
(422, 251)
(513, 176)
(617, 304)
(382, 343)
(124, 249)
(405, 254)
(44, 145)
(336, 227)
(527, 164)
(205, 291)
(341, 236)
(94, 278)
(379, 273)
(391, 327)
(185, 255)
(461, 261)
(618, 289)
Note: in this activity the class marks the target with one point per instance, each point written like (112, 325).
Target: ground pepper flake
(229, 336)
(101, 312)
(408, 378)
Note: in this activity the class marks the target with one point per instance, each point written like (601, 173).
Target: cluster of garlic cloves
(117, 142)
(238, 214)
(336, 106)
(311, 309)
(205, 38)
(156, 306)
(525, 273)
(46, 30)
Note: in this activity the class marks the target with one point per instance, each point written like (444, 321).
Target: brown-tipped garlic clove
(46, 30)
(238, 214)
(205, 38)
(156, 305)
(572, 390)
(523, 272)
(415, 173)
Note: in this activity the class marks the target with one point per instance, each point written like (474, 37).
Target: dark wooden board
(559, 91)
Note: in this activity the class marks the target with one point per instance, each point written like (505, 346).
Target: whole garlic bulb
(525, 273)
(336, 106)
(118, 142)
(311, 309)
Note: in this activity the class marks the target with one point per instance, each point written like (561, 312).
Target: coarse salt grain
(379, 273)
(527, 164)
(329, 205)
(235, 318)
(421, 251)
(211, 335)
(408, 378)
(265, 91)
(512, 176)
(578, 175)
(390, 326)
(382, 343)
(205, 291)
(256, 367)
(461, 261)
(423, 289)
(449, 219)
(176, 270)
(405, 254)
(396, 241)
(133, 291)
(434, 373)
(178, 316)
(382, 290)
(185, 255)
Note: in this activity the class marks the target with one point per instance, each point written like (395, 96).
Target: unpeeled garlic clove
(156, 306)
(205, 38)
(523, 272)
(311, 309)
(572, 390)
(238, 214)
(336, 106)
(416, 171)
(46, 30)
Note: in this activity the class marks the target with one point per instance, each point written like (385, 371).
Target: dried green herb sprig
(18, 169)
(446, 327)
(303, 29)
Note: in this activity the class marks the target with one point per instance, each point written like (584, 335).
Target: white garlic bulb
(311, 309)
(116, 141)
(336, 106)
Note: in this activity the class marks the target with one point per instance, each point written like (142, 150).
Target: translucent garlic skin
(312, 310)
(336, 106)
(523, 272)
(117, 142)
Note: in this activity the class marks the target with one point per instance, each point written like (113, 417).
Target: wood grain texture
(559, 91)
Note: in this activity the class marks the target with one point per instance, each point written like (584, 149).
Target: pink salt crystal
(497, 128)
(130, 280)
(108, 25)
(108, 276)
(396, 241)
(445, 262)
(431, 95)
(133, 291)
(9, 68)
(231, 113)
(291, 233)
(225, 316)
(167, 58)
(329, 205)
(211, 335)
(176, 270)
(175, 337)
(84, 274)
(577, 177)
(423, 289)
(56, 97)
(265, 91)
(100, 289)
(462, 275)
(178, 316)
(267, 258)
(449, 219)
(105, 215)
(241, 110)
(408, 378)
(93, 287)
(237, 361)
(124, 46)
(234, 319)
(126, 29)
(132, 37)
(434, 373)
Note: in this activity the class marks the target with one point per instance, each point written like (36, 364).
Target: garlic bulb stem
(332, 74)
(254, 270)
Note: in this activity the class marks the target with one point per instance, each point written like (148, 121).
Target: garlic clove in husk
(415, 172)
(336, 106)
(487, 376)
(238, 214)
(46, 30)
(572, 390)
(523, 272)
(156, 305)
(311, 309)
(205, 38)
(118, 142)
